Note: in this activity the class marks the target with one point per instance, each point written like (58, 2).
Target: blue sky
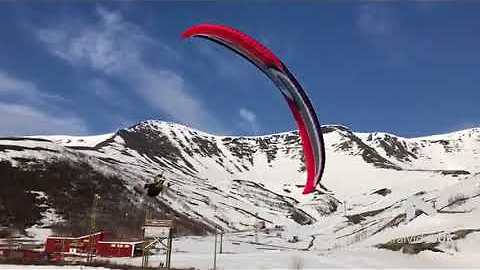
(89, 68)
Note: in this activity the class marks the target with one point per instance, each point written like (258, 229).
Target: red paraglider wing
(300, 105)
(235, 40)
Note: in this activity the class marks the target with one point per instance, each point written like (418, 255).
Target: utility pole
(256, 227)
(215, 251)
(221, 241)
(93, 225)
(144, 254)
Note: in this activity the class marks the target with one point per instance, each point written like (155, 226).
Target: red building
(96, 243)
(23, 254)
(73, 245)
(119, 249)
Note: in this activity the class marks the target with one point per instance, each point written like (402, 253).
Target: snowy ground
(347, 258)
(198, 252)
(47, 267)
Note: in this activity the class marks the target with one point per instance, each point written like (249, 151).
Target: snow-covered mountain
(233, 182)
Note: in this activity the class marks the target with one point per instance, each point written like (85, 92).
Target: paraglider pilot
(156, 187)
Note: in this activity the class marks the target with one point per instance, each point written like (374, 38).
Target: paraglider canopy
(297, 99)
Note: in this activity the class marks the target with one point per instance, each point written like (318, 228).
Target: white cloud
(26, 120)
(106, 46)
(26, 116)
(380, 26)
(167, 91)
(225, 63)
(102, 89)
(9, 84)
(114, 47)
(374, 20)
(249, 120)
(247, 115)
(24, 91)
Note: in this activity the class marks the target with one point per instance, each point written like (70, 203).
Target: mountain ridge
(460, 132)
(228, 181)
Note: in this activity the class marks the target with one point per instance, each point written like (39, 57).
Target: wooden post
(155, 237)
(169, 249)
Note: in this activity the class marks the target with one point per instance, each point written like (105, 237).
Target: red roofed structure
(95, 244)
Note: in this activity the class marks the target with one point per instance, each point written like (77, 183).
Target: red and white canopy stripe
(297, 99)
